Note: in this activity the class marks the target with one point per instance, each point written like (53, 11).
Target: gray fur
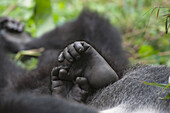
(129, 91)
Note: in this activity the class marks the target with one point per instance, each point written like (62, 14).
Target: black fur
(27, 103)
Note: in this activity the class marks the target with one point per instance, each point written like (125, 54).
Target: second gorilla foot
(76, 91)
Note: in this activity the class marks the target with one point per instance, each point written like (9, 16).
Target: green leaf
(146, 50)
(33, 52)
(46, 26)
(166, 25)
(168, 62)
(167, 96)
(28, 64)
(157, 13)
(43, 15)
(156, 84)
(166, 87)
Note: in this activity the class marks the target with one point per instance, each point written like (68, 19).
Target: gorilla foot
(73, 91)
(86, 62)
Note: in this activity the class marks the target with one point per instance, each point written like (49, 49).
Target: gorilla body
(19, 89)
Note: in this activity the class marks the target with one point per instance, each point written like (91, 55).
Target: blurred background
(143, 23)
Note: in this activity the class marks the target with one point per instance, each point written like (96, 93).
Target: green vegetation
(164, 86)
(143, 30)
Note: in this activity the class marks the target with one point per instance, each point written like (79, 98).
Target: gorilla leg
(26, 103)
(8, 70)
